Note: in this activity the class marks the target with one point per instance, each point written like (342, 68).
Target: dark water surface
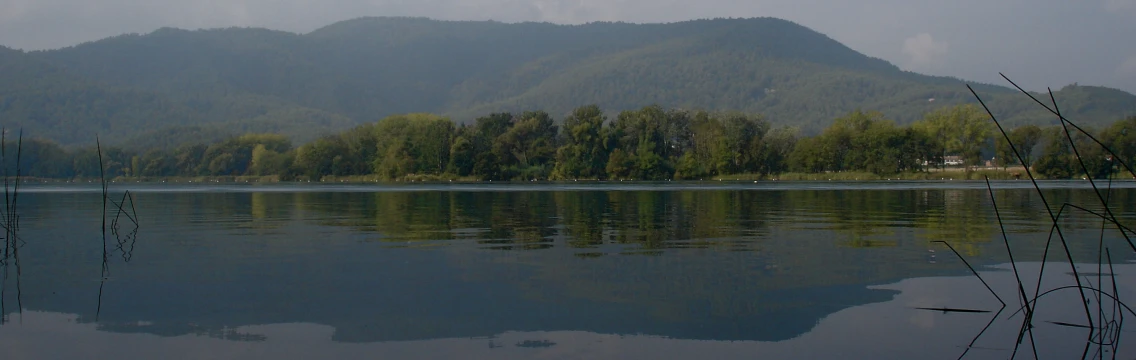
(613, 270)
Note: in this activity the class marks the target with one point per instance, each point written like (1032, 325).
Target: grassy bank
(407, 178)
(937, 174)
(946, 174)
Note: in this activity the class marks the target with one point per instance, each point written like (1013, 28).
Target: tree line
(652, 143)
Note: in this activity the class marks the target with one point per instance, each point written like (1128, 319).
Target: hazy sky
(1039, 42)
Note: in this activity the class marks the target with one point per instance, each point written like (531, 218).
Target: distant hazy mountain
(174, 85)
(48, 101)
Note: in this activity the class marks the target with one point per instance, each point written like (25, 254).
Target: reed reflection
(124, 240)
(10, 264)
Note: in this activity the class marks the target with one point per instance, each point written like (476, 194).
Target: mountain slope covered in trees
(48, 101)
(172, 86)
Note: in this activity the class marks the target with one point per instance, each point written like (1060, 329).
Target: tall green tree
(778, 144)
(463, 151)
(583, 154)
(1121, 138)
(487, 165)
(269, 162)
(962, 130)
(528, 147)
(862, 141)
(318, 158)
(639, 134)
(1079, 158)
(412, 144)
(234, 155)
(1025, 138)
(741, 145)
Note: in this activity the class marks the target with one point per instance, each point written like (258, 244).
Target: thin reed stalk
(1105, 325)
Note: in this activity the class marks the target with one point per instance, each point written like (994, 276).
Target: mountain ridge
(361, 70)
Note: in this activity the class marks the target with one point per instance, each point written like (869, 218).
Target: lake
(567, 271)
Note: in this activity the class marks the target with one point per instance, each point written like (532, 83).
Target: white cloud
(923, 51)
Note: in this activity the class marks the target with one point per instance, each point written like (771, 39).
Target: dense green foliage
(174, 87)
(1070, 153)
(867, 142)
(651, 143)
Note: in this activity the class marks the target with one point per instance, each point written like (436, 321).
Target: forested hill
(172, 85)
(48, 101)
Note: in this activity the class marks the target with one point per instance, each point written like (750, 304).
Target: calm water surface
(615, 270)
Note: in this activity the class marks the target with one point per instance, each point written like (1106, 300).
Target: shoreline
(938, 175)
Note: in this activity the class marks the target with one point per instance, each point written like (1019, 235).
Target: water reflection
(124, 212)
(10, 264)
(766, 268)
(888, 329)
